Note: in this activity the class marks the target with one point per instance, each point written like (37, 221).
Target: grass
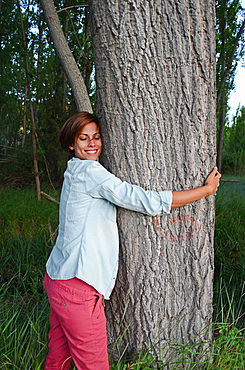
(230, 247)
(26, 237)
(24, 330)
(27, 233)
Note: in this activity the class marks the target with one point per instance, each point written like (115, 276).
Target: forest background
(35, 101)
(32, 75)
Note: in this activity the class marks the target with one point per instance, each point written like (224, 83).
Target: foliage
(229, 44)
(51, 96)
(234, 145)
(228, 24)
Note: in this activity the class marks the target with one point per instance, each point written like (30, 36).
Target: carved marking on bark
(188, 223)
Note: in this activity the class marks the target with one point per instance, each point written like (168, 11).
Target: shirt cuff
(166, 199)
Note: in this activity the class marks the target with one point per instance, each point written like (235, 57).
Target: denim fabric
(87, 244)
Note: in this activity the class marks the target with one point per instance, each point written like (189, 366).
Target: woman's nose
(91, 142)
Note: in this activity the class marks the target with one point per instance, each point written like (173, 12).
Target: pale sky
(238, 95)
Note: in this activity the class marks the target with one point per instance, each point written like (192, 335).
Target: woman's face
(88, 143)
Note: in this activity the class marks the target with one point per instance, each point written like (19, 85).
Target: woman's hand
(181, 198)
(213, 181)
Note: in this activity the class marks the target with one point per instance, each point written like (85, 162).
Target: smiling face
(88, 143)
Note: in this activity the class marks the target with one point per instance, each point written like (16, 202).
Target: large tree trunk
(155, 74)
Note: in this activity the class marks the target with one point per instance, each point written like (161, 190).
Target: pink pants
(78, 326)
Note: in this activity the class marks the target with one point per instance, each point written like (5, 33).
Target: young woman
(82, 267)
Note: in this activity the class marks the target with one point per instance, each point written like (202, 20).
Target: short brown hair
(73, 127)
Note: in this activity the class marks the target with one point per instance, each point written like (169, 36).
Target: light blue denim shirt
(87, 244)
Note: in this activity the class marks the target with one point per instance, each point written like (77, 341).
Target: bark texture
(155, 74)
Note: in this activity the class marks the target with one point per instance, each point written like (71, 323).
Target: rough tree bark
(155, 75)
(66, 58)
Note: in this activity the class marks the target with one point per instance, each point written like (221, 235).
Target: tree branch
(70, 7)
(49, 197)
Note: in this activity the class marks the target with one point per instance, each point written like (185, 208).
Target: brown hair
(73, 127)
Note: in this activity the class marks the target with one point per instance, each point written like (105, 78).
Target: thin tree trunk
(64, 75)
(221, 131)
(66, 58)
(155, 75)
(33, 129)
(7, 140)
(87, 63)
(223, 103)
(24, 118)
(39, 67)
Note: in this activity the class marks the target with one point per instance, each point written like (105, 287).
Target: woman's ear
(71, 147)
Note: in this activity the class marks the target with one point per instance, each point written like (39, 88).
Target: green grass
(23, 328)
(27, 233)
(26, 237)
(230, 246)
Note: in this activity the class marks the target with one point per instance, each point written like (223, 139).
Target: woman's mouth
(94, 151)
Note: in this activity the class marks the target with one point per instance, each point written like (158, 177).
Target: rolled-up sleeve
(102, 184)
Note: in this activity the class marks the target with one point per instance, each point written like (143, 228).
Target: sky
(238, 94)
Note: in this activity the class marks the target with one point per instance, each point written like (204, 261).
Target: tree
(231, 31)
(33, 128)
(234, 145)
(51, 95)
(11, 74)
(155, 73)
(66, 58)
(230, 39)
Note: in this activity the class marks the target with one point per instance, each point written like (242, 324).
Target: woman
(82, 267)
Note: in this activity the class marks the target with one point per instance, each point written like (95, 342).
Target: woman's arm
(181, 198)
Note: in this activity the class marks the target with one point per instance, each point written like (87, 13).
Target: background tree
(33, 126)
(234, 144)
(66, 58)
(49, 84)
(52, 97)
(12, 75)
(230, 42)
